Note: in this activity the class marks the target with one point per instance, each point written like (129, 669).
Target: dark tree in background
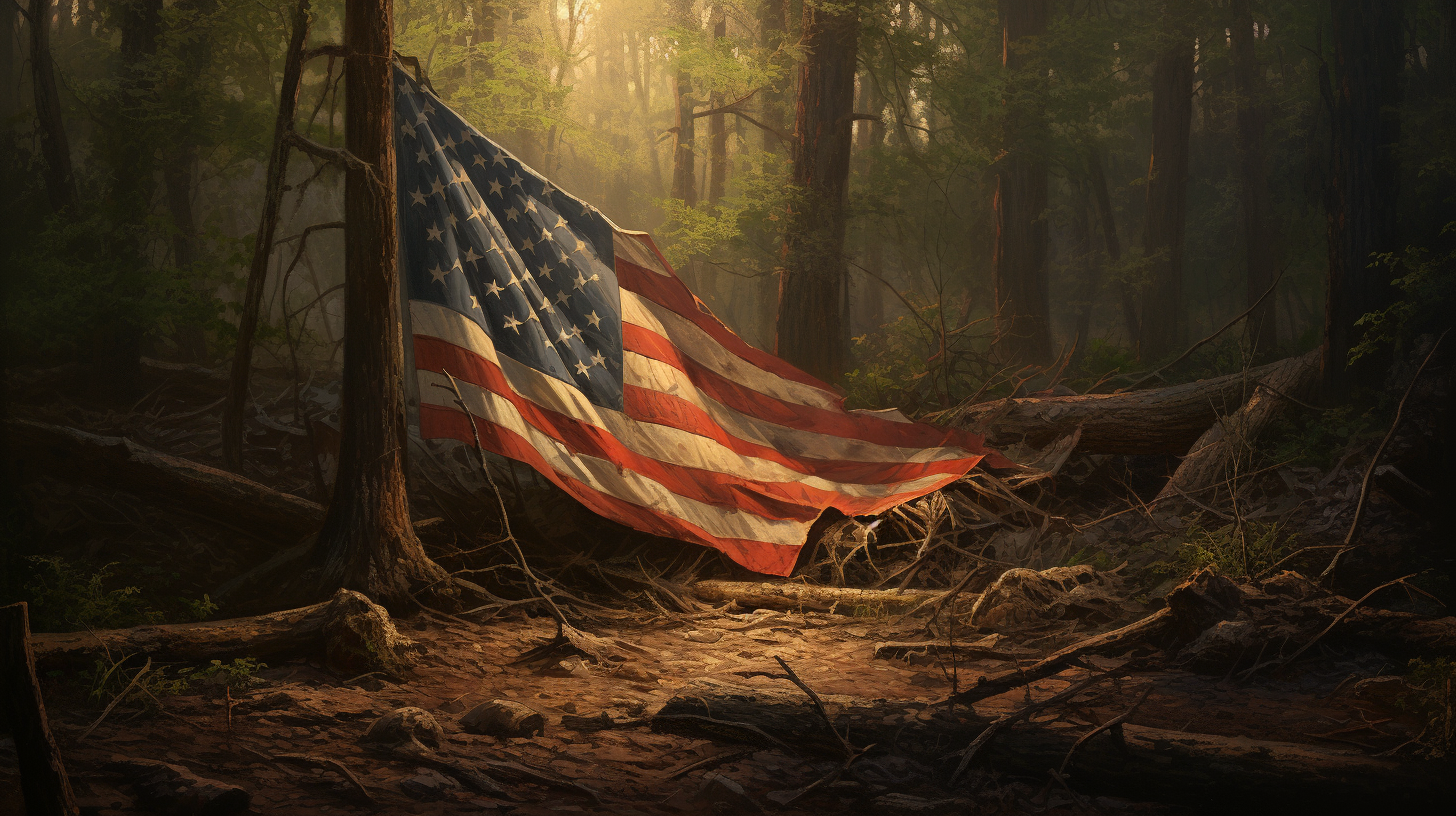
(1368, 39)
(684, 161)
(1162, 324)
(811, 286)
(1263, 245)
(367, 542)
(1023, 305)
(55, 147)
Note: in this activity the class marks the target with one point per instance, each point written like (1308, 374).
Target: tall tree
(684, 164)
(718, 126)
(811, 285)
(1023, 306)
(55, 146)
(9, 84)
(1162, 322)
(1262, 244)
(367, 542)
(1367, 36)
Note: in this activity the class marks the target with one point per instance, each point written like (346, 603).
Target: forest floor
(300, 707)
(252, 733)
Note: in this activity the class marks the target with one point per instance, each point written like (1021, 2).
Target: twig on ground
(1342, 616)
(116, 701)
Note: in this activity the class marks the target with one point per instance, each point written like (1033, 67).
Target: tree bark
(1023, 305)
(367, 542)
(9, 79)
(237, 397)
(684, 161)
(1263, 247)
(1368, 36)
(811, 286)
(115, 462)
(791, 597)
(1155, 421)
(1162, 325)
(43, 780)
(1212, 458)
(55, 147)
(718, 131)
(773, 27)
(1198, 770)
(348, 629)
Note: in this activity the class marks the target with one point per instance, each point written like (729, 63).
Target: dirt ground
(300, 708)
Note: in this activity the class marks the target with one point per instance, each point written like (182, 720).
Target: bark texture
(43, 780)
(237, 398)
(1213, 457)
(1155, 421)
(684, 160)
(1023, 305)
(1162, 324)
(1198, 770)
(790, 597)
(1368, 40)
(811, 286)
(367, 542)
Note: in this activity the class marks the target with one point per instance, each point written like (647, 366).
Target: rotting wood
(117, 462)
(1154, 421)
(347, 629)
(43, 780)
(1198, 770)
(790, 597)
(1212, 456)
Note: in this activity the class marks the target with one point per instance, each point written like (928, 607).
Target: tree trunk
(1212, 459)
(43, 781)
(237, 398)
(792, 597)
(1367, 36)
(367, 542)
(115, 462)
(811, 286)
(55, 147)
(1198, 770)
(1156, 421)
(718, 132)
(1263, 246)
(9, 79)
(1023, 306)
(1162, 323)
(773, 27)
(1084, 260)
(684, 164)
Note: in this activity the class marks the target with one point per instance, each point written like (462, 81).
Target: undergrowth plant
(1238, 551)
(1430, 699)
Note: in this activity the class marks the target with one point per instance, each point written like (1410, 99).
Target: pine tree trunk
(1367, 36)
(9, 81)
(684, 164)
(1023, 306)
(811, 286)
(1262, 241)
(55, 147)
(237, 397)
(367, 542)
(1162, 322)
(1107, 218)
(773, 26)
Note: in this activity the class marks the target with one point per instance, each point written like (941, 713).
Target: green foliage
(1319, 441)
(107, 679)
(64, 597)
(1428, 296)
(1431, 682)
(1237, 551)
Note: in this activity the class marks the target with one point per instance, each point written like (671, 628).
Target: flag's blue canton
(485, 235)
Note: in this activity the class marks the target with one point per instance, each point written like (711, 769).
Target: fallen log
(351, 632)
(1154, 421)
(1202, 771)
(116, 462)
(1211, 458)
(43, 781)
(790, 597)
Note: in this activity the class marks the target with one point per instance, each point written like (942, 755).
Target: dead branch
(792, 597)
(969, 752)
(1115, 722)
(43, 782)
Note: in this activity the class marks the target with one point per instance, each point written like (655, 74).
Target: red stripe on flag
(759, 556)
(776, 500)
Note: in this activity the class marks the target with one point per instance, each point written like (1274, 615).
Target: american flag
(581, 354)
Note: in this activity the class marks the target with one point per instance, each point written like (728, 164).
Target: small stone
(503, 718)
(406, 725)
(705, 635)
(569, 707)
